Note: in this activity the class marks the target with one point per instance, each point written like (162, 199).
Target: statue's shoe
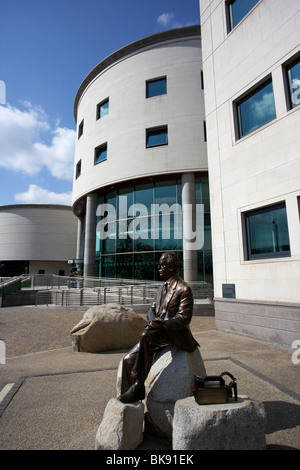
(134, 393)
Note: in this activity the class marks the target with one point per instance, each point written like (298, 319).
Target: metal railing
(124, 295)
(53, 281)
(124, 292)
(77, 291)
(14, 284)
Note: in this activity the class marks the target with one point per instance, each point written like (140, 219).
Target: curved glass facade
(137, 223)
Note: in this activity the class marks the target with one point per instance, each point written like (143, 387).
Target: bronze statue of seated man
(168, 324)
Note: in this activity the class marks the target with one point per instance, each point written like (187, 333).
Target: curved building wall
(130, 114)
(116, 116)
(41, 236)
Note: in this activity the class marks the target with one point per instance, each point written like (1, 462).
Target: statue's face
(165, 269)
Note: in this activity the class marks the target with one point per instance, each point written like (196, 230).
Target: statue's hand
(158, 319)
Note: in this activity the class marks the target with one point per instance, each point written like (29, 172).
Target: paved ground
(52, 397)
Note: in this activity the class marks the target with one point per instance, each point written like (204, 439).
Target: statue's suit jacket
(178, 305)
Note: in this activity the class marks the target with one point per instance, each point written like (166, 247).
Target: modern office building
(141, 163)
(36, 239)
(251, 65)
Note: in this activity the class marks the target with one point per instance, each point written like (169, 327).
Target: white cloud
(22, 148)
(167, 20)
(38, 195)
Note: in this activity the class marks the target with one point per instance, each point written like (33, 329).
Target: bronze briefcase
(213, 389)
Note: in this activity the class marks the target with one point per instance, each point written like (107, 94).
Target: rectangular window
(78, 169)
(267, 233)
(255, 109)
(204, 131)
(100, 153)
(156, 87)
(293, 83)
(102, 109)
(157, 136)
(237, 10)
(80, 129)
(202, 80)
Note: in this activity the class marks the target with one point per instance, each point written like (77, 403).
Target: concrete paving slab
(58, 396)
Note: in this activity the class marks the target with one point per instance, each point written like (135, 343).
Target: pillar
(90, 234)
(190, 268)
(79, 248)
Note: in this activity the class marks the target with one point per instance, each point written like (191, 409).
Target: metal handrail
(130, 294)
(13, 284)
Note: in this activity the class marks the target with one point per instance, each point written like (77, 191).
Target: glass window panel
(125, 200)
(107, 266)
(124, 266)
(202, 192)
(179, 193)
(144, 266)
(165, 192)
(293, 73)
(267, 232)
(142, 233)
(238, 9)
(78, 169)
(103, 109)
(100, 153)
(156, 137)
(168, 231)
(80, 129)
(125, 236)
(121, 232)
(108, 235)
(99, 239)
(111, 198)
(156, 87)
(256, 109)
(143, 194)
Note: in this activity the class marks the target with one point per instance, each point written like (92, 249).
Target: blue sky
(47, 47)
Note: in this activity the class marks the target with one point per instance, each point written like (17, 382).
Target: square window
(102, 109)
(80, 129)
(267, 234)
(100, 153)
(78, 169)
(255, 109)
(157, 136)
(156, 87)
(292, 71)
(237, 10)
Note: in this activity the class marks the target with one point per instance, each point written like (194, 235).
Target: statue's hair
(172, 258)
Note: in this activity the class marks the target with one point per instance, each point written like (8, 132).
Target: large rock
(121, 427)
(171, 378)
(236, 425)
(107, 327)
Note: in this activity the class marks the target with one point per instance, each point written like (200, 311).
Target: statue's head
(168, 264)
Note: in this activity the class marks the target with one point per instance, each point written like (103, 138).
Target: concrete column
(79, 250)
(190, 269)
(90, 235)
(79, 234)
